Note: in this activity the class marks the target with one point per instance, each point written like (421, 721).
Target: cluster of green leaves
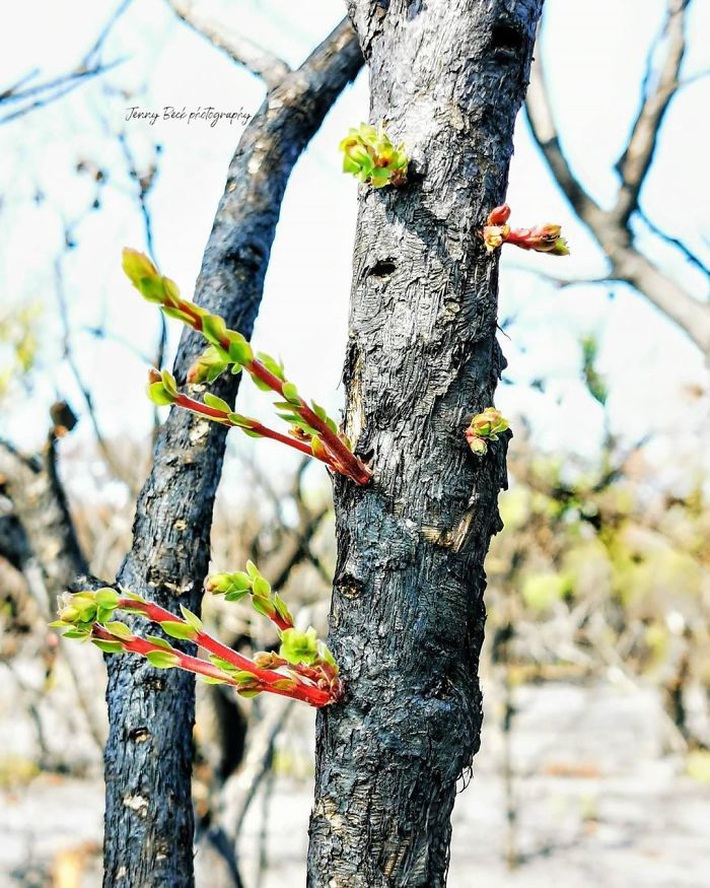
(372, 158)
(485, 427)
(78, 612)
(310, 426)
(235, 586)
(311, 673)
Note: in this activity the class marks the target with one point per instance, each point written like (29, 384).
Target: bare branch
(68, 355)
(98, 44)
(636, 160)
(694, 260)
(259, 61)
(544, 132)
(53, 90)
(611, 229)
(144, 185)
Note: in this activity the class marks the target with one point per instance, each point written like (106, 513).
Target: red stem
(344, 459)
(157, 614)
(198, 407)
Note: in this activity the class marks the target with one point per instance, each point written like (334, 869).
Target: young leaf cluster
(304, 668)
(311, 430)
(372, 158)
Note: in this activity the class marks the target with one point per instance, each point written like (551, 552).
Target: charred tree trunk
(408, 614)
(149, 819)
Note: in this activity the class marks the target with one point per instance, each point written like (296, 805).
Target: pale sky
(595, 58)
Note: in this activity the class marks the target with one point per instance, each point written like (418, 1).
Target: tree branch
(259, 61)
(611, 229)
(148, 753)
(636, 160)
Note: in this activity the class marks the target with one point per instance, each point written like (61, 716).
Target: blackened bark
(408, 615)
(149, 820)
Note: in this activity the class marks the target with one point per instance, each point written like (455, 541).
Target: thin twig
(68, 355)
(611, 228)
(259, 61)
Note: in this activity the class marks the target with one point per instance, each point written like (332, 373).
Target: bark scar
(453, 538)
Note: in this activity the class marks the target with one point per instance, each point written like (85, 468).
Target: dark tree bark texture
(149, 820)
(407, 618)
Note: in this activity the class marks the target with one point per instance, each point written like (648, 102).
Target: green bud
(208, 366)
(263, 606)
(228, 583)
(299, 647)
(239, 349)
(214, 329)
(140, 271)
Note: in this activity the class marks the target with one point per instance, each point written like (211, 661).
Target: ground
(601, 797)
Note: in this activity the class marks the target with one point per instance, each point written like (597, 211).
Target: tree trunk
(407, 614)
(148, 841)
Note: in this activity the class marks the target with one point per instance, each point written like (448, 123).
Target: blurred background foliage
(601, 576)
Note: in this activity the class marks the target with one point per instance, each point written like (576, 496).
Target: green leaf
(191, 618)
(158, 395)
(210, 680)
(235, 596)
(176, 313)
(159, 642)
(260, 384)
(107, 598)
(282, 609)
(104, 613)
(319, 411)
(261, 586)
(244, 677)
(171, 290)
(215, 402)
(134, 596)
(120, 630)
(325, 654)
(247, 693)
(239, 349)
(77, 632)
(162, 659)
(263, 606)
(108, 647)
(214, 329)
(242, 422)
(290, 392)
(283, 684)
(169, 383)
(178, 630)
(272, 365)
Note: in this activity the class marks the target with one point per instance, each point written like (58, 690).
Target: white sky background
(595, 57)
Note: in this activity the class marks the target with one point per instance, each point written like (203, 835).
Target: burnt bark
(149, 819)
(408, 615)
